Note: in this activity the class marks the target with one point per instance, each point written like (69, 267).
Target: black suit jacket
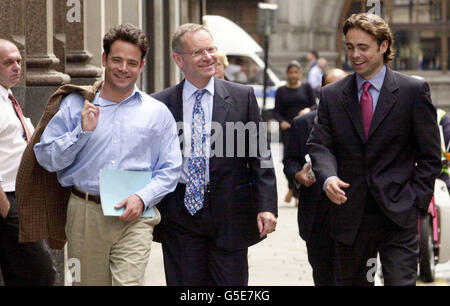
(313, 209)
(240, 186)
(398, 163)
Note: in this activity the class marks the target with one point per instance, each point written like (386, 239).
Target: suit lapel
(175, 102)
(221, 102)
(351, 105)
(385, 102)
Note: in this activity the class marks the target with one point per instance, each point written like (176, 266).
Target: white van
(243, 52)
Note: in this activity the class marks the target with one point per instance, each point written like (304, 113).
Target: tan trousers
(109, 251)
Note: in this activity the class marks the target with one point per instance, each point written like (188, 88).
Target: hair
(177, 37)
(222, 58)
(128, 33)
(293, 64)
(4, 41)
(315, 53)
(374, 26)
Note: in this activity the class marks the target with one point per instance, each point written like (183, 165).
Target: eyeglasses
(199, 53)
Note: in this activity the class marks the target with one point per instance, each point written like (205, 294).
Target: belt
(84, 195)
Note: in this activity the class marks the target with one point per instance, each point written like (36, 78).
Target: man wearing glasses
(225, 201)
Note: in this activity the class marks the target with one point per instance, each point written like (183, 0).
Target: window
(417, 50)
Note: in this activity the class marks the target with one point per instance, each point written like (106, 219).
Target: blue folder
(117, 185)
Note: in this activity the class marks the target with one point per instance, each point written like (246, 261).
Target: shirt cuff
(80, 137)
(326, 181)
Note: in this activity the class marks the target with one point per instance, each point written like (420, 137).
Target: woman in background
(221, 65)
(291, 100)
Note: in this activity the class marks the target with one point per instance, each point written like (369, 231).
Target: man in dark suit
(375, 152)
(226, 199)
(313, 209)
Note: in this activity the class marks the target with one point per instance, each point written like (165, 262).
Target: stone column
(113, 13)
(132, 12)
(59, 36)
(158, 43)
(41, 79)
(175, 7)
(94, 20)
(39, 39)
(78, 57)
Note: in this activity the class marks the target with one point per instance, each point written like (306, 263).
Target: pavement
(281, 258)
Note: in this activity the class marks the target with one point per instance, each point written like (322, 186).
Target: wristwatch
(1, 179)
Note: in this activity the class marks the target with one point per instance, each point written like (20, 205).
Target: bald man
(333, 75)
(313, 209)
(22, 264)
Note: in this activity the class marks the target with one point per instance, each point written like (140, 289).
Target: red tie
(366, 108)
(20, 115)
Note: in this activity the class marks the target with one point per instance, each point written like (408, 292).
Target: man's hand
(334, 191)
(303, 176)
(266, 223)
(4, 204)
(285, 125)
(134, 208)
(89, 116)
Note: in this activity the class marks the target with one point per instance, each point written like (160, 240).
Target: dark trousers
(22, 264)
(191, 257)
(398, 249)
(321, 252)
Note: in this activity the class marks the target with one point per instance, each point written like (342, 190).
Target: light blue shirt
(189, 91)
(138, 134)
(377, 82)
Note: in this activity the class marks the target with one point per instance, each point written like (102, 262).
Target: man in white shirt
(22, 264)
(314, 72)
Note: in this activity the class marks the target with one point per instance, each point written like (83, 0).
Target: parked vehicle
(244, 54)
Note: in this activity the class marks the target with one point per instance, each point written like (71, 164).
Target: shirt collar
(189, 89)
(103, 102)
(376, 82)
(4, 93)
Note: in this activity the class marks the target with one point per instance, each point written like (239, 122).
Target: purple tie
(366, 108)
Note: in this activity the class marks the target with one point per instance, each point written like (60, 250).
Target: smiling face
(10, 69)
(364, 52)
(123, 65)
(197, 69)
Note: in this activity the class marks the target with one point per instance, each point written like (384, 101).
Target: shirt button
(113, 162)
(117, 122)
(115, 141)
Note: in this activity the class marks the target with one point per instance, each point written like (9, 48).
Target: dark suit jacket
(313, 209)
(397, 164)
(240, 187)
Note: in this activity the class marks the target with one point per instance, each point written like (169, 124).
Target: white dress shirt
(12, 142)
(189, 91)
